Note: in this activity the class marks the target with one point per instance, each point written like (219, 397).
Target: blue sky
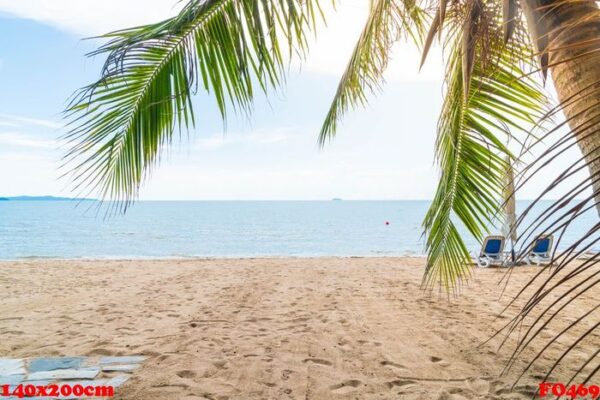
(382, 152)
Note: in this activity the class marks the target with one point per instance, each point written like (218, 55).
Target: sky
(385, 151)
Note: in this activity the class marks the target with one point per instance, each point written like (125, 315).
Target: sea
(180, 229)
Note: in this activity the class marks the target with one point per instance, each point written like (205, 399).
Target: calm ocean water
(218, 229)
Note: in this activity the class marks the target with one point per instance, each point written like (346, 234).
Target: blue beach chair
(492, 252)
(541, 251)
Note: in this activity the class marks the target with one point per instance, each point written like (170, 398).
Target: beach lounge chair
(541, 252)
(492, 252)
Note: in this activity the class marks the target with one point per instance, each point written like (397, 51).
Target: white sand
(322, 328)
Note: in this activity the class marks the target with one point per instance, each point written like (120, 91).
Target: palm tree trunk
(567, 32)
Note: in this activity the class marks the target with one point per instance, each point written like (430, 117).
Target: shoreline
(204, 258)
(271, 328)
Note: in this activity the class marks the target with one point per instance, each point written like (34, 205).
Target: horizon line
(332, 199)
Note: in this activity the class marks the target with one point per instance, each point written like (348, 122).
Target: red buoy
(387, 222)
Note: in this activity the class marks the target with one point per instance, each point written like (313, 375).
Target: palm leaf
(557, 305)
(436, 26)
(388, 20)
(471, 151)
(121, 123)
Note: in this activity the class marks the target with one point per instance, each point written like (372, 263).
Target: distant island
(42, 198)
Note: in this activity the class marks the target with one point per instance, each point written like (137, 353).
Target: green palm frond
(471, 150)
(229, 48)
(387, 22)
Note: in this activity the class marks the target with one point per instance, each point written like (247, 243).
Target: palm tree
(232, 49)
(567, 37)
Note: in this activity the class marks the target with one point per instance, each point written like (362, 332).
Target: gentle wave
(246, 229)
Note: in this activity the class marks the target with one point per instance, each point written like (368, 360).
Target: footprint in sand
(345, 345)
(99, 352)
(399, 383)
(186, 374)
(285, 374)
(387, 363)
(318, 361)
(346, 386)
(526, 390)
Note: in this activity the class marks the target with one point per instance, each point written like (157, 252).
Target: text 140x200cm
(56, 390)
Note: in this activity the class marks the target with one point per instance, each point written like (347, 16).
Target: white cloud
(36, 174)
(9, 124)
(17, 120)
(261, 137)
(22, 140)
(28, 159)
(92, 17)
(29, 148)
(321, 181)
(335, 42)
(329, 54)
(30, 132)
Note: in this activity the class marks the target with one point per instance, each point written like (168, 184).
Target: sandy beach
(224, 329)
